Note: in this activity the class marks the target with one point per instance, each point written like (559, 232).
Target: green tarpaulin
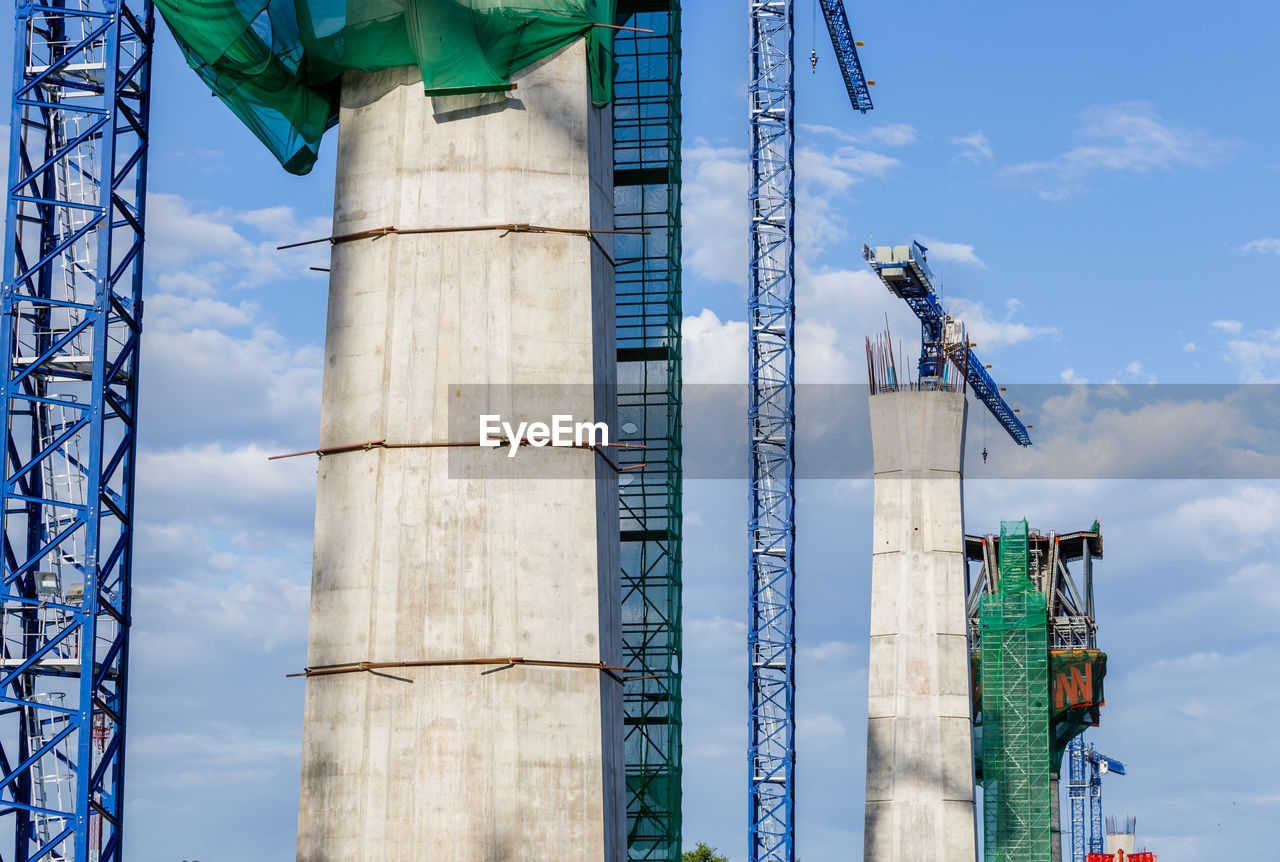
(278, 63)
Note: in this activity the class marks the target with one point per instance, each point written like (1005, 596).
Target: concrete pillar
(448, 554)
(919, 744)
(1055, 818)
(1121, 844)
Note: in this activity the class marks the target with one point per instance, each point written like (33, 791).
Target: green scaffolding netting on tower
(278, 64)
(646, 146)
(1015, 709)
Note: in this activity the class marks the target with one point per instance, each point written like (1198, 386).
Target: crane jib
(846, 49)
(904, 270)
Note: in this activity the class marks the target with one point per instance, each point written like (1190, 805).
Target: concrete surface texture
(919, 801)
(1121, 842)
(1055, 818)
(462, 553)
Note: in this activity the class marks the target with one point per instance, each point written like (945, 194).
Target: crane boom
(905, 272)
(846, 49)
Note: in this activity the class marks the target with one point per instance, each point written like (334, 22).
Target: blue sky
(1096, 186)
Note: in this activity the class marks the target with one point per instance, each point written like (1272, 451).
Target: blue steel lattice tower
(771, 413)
(72, 318)
(771, 418)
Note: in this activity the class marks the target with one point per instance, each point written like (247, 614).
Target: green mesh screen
(277, 64)
(1015, 710)
(646, 148)
(1076, 697)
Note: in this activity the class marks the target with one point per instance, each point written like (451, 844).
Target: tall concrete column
(1055, 818)
(919, 743)
(456, 554)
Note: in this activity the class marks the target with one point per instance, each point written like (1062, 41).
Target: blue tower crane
(1086, 768)
(72, 316)
(905, 271)
(771, 414)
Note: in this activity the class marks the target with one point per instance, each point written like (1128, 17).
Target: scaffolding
(1015, 709)
(646, 144)
(1076, 667)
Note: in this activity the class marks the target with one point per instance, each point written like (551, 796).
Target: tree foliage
(703, 853)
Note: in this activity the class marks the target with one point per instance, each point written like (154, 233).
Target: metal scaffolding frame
(1071, 626)
(71, 325)
(646, 143)
(1015, 709)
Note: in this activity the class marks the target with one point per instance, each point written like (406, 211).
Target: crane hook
(813, 59)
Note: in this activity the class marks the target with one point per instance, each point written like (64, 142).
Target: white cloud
(214, 485)
(819, 727)
(1123, 138)
(1255, 355)
(893, 134)
(990, 332)
(843, 167)
(953, 252)
(1069, 376)
(715, 351)
(715, 213)
(1149, 431)
(974, 148)
(1134, 372)
(207, 384)
(715, 199)
(170, 311)
(183, 238)
(831, 650)
(890, 135)
(281, 224)
(1190, 347)
(261, 611)
(1266, 246)
(822, 353)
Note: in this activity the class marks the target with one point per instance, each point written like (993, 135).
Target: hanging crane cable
(813, 37)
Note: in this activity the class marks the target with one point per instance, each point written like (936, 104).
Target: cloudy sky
(1096, 187)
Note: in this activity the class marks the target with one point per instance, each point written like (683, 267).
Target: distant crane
(771, 412)
(1087, 766)
(905, 271)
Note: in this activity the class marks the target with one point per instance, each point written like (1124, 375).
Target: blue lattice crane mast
(72, 315)
(771, 415)
(1087, 766)
(905, 271)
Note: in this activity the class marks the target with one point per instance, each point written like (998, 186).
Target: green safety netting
(278, 63)
(1076, 696)
(1014, 672)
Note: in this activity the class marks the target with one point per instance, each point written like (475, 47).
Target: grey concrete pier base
(919, 740)
(457, 554)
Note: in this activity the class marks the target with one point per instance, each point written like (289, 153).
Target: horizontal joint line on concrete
(504, 229)
(370, 445)
(497, 663)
